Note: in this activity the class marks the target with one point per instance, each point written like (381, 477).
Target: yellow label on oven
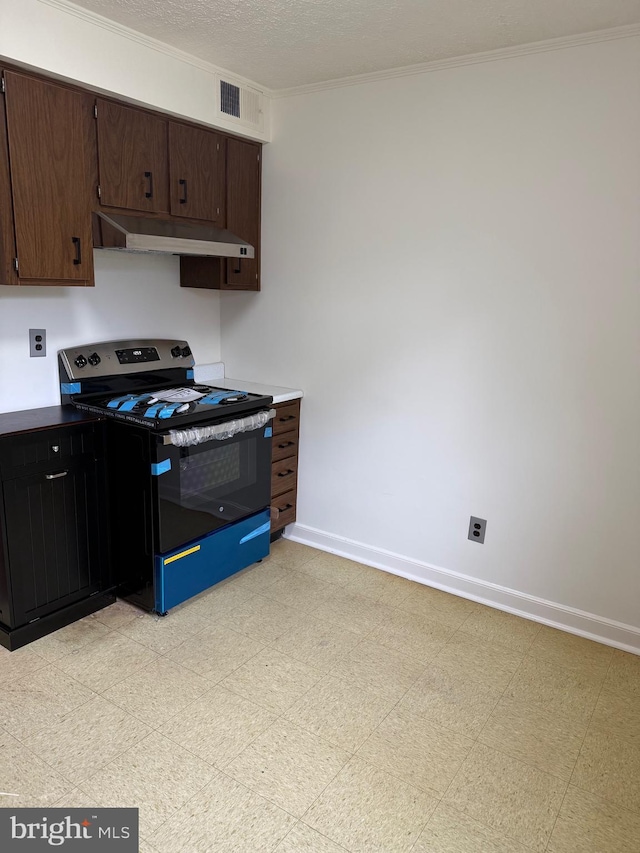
(180, 555)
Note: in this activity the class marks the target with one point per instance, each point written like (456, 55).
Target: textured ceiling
(286, 43)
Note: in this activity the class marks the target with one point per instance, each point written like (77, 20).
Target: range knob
(176, 351)
(186, 351)
(94, 359)
(80, 361)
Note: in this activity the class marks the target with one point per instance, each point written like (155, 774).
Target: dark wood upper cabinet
(65, 153)
(132, 158)
(197, 173)
(243, 211)
(7, 237)
(243, 219)
(48, 126)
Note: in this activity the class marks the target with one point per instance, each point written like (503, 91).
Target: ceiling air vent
(240, 104)
(229, 99)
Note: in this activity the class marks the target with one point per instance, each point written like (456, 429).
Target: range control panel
(111, 358)
(137, 356)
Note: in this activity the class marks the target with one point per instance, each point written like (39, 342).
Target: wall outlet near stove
(37, 343)
(477, 527)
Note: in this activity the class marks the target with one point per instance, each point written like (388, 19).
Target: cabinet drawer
(287, 417)
(284, 475)
(45, 450)
(284, 445)
(283, 510)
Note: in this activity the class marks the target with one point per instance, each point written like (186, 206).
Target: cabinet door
(243, 211)
(196, 169)
(7, 240)
(132, 158)
(48, 137)
(55, 538)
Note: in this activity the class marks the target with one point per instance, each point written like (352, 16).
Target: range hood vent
(141, 234)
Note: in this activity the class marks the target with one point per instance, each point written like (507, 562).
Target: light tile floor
(314, 705)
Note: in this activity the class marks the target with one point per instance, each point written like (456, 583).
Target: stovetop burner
(234, 398)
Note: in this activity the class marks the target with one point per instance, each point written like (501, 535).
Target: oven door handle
(218, 432)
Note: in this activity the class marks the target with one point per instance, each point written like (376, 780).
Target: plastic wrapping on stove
(220, 432)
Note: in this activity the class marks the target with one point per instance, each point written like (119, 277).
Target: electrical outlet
(477, 527)
(37, 343)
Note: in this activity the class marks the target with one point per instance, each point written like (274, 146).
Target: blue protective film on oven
(264, 528)
(168, 410)
(190, 374)
(198, 564)
(133, 401)
(160, 467)
(215, 397)
(113, 404)
(268, 432)
(69, 387)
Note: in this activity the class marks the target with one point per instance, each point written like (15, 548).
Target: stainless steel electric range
(189, 467)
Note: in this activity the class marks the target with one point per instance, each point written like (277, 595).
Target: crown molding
(406, 71)
(149, 42)
(561, 43)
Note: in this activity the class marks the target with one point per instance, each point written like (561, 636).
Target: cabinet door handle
(183, 184)
(78, 258)
(56, 476)
(286, 473)
(238, 268)
(149, 177)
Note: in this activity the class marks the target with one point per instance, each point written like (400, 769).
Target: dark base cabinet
(54, 557)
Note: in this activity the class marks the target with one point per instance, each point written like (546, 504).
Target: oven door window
(215, 473)
(211, 485)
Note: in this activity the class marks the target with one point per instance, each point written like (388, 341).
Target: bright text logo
(114, 830)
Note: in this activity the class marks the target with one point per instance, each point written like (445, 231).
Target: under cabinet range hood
(141, 234)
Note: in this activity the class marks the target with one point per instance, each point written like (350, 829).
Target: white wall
(135, 295)
(451, 273)
(71, 42)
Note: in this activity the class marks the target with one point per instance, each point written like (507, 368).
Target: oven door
(207, 486)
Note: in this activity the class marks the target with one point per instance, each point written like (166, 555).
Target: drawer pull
(276, 511)
(286, 473)
(286, 444)
(287, 418)
(56, 476)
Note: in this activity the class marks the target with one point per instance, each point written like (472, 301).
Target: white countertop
(279, 394)
(214, 373)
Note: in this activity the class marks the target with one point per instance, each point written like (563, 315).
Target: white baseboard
(588, 625)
